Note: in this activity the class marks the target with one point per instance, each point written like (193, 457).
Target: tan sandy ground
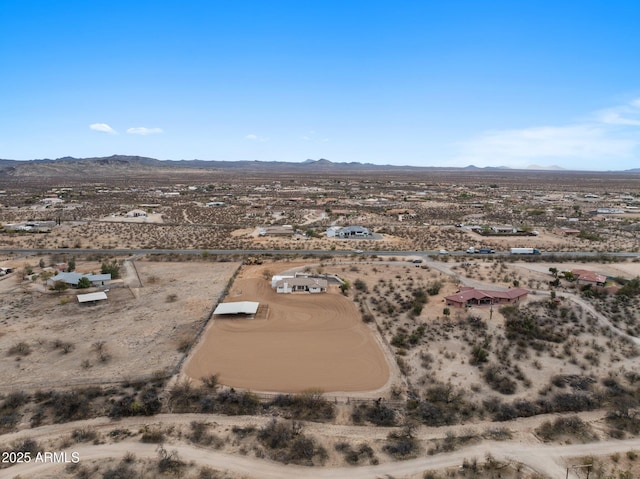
(142, 327)
(307, 341)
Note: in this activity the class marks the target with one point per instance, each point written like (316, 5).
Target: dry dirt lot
(307, 341)
(141, 328)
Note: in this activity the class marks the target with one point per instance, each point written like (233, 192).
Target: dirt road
(523, 448)
(545, 459)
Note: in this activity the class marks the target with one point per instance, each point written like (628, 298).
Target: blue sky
(447, 83)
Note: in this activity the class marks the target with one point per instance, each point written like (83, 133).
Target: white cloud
(565, 141)
(141, 130)
(253, 137)
(622, 115)
(311, 136)
(616, 118)
(103, 127)
(609, 135)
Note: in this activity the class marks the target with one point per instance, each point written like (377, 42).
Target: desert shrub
(399, 340)
(434, 288)
(170, 462)
(64, 346)
(84, 435)
(478, 355)
(377, 413)
(243, 432)
(111, 268)
(360, 285)
(121, 471)
(233, 403)
(571, 426)
(498, 380)
(14, 400)
(571, 402)
(183, 395)
(288, 443)
(624, 416)
(276, 434)
(74, 404)
(8, 420)
(199, 435)
(309, 406)
(355, 455)
(401, 445)
(524, 325)
(630, 289)
(153, 436)
(19, 349)
(60, 286)
(433, 414)
(26, 445)
(210, 381)
(147, 403)
(172, 298)
(576, 382)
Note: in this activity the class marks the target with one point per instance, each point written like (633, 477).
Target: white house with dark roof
(137, 213)
(354, 232)
(301, 284)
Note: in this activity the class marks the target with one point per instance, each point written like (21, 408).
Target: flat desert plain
(307, 341)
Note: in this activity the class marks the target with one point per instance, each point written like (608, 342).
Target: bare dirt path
(545, 459)
(524, 448)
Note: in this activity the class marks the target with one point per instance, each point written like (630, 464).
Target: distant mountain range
(121, 164)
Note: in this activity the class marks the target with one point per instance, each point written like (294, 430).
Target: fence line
(221, 297)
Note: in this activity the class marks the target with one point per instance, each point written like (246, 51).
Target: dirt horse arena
(307, 341)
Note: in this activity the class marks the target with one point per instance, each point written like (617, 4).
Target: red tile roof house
(467, 296)
(584, 276)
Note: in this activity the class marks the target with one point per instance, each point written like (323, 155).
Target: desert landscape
(532, 375)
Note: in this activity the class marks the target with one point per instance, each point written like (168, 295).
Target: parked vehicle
(525, 251)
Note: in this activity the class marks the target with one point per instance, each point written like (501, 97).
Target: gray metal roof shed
(85, 298)
(238, 307)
